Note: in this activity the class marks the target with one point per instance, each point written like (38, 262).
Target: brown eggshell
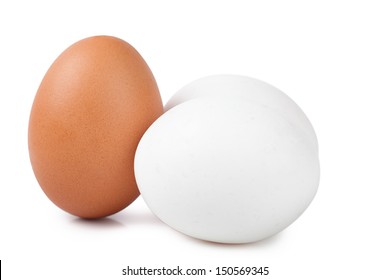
(91, 109)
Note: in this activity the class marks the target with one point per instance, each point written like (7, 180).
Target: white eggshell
(249, 89)
(226, 170)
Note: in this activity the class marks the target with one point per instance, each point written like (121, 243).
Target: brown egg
(91, 109)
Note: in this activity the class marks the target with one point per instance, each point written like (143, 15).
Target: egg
(89, 113)
(232, 160)
(248, 89)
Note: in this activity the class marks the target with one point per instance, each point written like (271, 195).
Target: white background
(332, 57)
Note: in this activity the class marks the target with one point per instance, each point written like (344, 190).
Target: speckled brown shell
(91, 109)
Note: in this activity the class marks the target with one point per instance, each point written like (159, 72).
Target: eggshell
(91, 109)
(226, 169)
(248, 89)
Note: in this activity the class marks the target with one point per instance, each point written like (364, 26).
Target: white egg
(245, 88)
(229, 169)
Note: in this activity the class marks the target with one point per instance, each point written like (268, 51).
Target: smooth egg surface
(246, 89)
(90, 111)
(226, 170)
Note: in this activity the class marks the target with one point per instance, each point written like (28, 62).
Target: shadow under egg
(104, 223)
(263, 243)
